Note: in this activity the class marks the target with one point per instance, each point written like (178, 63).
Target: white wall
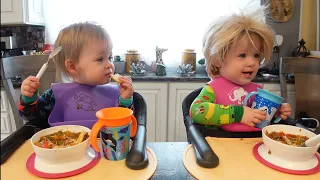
(144, 24)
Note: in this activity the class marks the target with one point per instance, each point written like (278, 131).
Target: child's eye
(110, 58)
(257, 55)
(100, 59)
(242, 55)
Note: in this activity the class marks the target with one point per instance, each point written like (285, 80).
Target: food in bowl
(61, 155)
(61, 139)
(284, 151)
(286, 138)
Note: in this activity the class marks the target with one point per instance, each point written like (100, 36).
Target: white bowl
(61, 155)
(287, 152)
(315, 53)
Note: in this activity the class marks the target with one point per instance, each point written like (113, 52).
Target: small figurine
(160, 69)
(159, 52)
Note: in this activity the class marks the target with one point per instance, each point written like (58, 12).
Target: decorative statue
(159, 52)
(160, 70)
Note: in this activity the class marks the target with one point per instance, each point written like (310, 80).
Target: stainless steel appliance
(9, 46)
(9, 42)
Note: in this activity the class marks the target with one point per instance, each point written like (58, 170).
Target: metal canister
(132, 56)
(189, 57)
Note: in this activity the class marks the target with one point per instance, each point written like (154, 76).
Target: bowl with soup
(58, 144)
(285, 142)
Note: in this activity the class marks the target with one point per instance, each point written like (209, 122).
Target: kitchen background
(143, 25)
(180, 27)
(28, 37)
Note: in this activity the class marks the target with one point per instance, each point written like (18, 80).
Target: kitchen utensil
(45, 65)
(312, 141)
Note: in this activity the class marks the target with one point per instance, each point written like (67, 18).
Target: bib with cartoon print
(77, 104)
(228, 93)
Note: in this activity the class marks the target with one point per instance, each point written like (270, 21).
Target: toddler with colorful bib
(234, 46)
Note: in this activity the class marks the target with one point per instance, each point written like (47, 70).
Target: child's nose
(251, 61)
(108, 64)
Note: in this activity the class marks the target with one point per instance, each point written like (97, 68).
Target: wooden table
(170, 165)
(169, 156)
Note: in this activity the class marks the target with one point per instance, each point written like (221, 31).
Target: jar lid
(132, 51)
(189, 50)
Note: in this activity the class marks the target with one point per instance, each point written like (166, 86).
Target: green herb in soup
(61, 139)
(289, 139)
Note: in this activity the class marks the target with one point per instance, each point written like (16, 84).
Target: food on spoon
(116, 77)
(289, 139)
(61, 139)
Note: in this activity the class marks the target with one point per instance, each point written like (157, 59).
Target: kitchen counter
(199, 77)
(176, 77)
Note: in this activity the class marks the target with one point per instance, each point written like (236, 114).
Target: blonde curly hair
(228, 30)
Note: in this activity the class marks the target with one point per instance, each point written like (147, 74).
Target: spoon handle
(313, 141)
(42, 70)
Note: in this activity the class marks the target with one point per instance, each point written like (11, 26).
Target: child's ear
(217, 65)
(70, 66)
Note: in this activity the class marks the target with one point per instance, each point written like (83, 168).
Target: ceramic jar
(189, 57)
(132, 56)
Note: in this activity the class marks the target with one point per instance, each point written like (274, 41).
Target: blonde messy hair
(73, 39)
(227, 30)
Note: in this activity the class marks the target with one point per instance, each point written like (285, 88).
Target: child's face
(242, 61)
(95, 65)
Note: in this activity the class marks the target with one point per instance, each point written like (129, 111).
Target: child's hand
(284, 111)
(126, 89)
(252, 116)
(30, 86)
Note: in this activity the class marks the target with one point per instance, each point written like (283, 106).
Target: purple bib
(77, 104)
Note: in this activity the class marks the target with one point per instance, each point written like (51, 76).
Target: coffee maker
(9, 45)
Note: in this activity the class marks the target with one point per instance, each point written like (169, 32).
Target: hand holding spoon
(45, 65)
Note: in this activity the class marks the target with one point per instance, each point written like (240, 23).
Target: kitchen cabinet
(156, 97)
(177, 92)
(22, 12)
(7, 122)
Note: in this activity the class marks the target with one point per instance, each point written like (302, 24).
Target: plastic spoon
(312, 141)
(45, 65)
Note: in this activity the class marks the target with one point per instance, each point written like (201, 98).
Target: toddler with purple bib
(83, 67)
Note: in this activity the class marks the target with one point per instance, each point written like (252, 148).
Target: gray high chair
(30, 65)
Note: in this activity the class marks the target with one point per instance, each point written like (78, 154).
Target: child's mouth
(247, 73)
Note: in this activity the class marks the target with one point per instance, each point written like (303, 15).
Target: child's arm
(203, 110)
(36, 108)
(127, 103)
